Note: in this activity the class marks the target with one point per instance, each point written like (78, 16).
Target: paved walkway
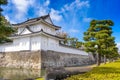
(81, 68)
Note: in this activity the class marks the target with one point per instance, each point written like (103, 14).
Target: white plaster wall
(26, 31)
(38, 42)
(23, 30)
(44, 42)
(17, 45)
(24, 43)
(35, 43)
(2, 48)
(20, 30)
(45, 28)
(35, 28)
(48, 43)
(71, 50)
(8, 47)
(53, 44)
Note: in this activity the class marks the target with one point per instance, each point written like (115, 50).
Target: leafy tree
(79, 44)
(70, 41)
(64, 35)
(5, 28)
(100, 34)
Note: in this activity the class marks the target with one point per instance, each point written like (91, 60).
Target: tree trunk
(98, 61)
(104, 59)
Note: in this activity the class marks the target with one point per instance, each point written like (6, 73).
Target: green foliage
(3, 2)
(79, 44)
(69, 41)
(110, 71)
(100, 33)
(73, 42)
(39, 79)
(5, 28)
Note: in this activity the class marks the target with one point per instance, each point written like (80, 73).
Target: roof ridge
(45, 16)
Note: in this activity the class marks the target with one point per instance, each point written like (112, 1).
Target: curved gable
(24, 31)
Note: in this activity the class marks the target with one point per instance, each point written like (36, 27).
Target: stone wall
(58, 59)
(42, 59)
(22, 59)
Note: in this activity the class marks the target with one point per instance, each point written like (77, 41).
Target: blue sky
(72, 15)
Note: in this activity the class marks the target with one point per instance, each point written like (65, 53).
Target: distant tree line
(70, 41)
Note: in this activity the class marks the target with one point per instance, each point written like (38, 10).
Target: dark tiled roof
(52, 35)
(70, 46)
(32, 20)
(41, 31)
(36, 19)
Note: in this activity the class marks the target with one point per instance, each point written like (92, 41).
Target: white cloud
(43, 8)
(67, 16)
(87, 19)
(118, 45)
(8, 19)
(47, 2)
(66, 13)
(22, 6)
(77, 4)
(42, 11)
(55, 15)
(74, 31)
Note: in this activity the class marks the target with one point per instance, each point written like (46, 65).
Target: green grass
(109, 71)
(39, 79)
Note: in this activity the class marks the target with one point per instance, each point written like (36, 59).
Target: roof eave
(37, 33)
(41, 20)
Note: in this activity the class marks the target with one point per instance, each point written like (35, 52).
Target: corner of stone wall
(21, 59)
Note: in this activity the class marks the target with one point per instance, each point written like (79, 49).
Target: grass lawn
(39, 79)
(109, 71)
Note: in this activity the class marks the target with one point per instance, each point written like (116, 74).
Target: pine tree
(2, 2)
(100, 34)
(5, 28)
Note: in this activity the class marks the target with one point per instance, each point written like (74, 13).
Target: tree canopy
(69, 41)
(5, 27)
(100, 33)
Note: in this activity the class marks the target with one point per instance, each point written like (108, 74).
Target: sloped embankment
(110, 71)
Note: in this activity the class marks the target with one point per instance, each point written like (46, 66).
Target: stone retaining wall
(42, 59)
(22, 59)
(58, 59)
